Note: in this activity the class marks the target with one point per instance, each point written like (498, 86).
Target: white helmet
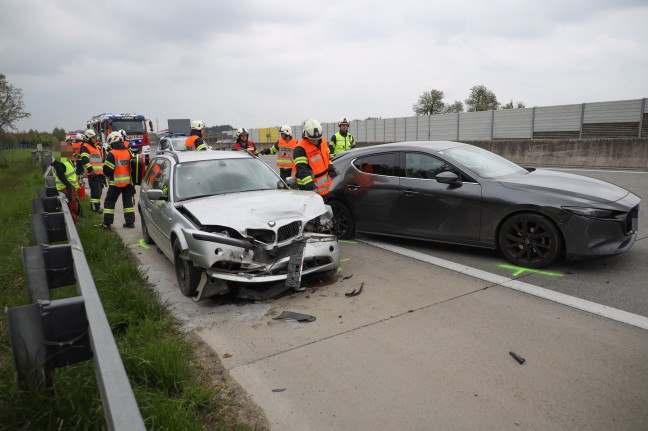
(312, 129)
(343, 121)
(286, 130)
(79, 137)
(90, 134)
(114, 137)
(122, 132)
(197, 125)
(242, 131)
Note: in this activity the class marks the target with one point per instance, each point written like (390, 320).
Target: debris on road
(291, 315)
(517, 357)
(354, 292)
(279, 390)
(227, 355)
(346, 278)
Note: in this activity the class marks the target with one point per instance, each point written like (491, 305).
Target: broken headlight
(319, 224)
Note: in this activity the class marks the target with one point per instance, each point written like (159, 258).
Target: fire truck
(133, 124)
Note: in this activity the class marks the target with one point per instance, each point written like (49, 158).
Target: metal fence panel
(423, 128)
(399, 129)
(379, 133)
(513, 123)
(475, 125)
(622, 111)
(564, 118)
(390, 130)
(443, 127)
(411, 124)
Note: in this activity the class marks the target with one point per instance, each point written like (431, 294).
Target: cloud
(255, 64)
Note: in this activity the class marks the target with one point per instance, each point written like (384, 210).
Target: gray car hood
(254, 210)
(566, 184)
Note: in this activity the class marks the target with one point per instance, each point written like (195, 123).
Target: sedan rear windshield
(216, 177)
(484, 163)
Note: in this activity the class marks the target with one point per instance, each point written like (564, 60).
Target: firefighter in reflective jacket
(342, 140)
(195, 141)
(284, 148)
(312, 160)
(66, 181)
(92, 157)
(243, 143)
(117, 168)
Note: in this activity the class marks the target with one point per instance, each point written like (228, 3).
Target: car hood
(566, 185)
(254, 210)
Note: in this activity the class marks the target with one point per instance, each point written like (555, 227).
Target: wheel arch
(534, 209)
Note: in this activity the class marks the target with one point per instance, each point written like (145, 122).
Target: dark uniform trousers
(96, 184)
(128, 202)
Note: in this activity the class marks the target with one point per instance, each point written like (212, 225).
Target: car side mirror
(448, 177)
(292, 182)
(155, 195)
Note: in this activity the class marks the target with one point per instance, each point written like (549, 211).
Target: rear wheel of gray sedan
(530, 240)
(342, 220)
(145, 232)
(188, 276)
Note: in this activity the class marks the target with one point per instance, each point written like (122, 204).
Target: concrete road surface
(421, 348)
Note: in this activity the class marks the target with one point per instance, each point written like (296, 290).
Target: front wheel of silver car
(188, 275)
(530, 240)
(145, 233)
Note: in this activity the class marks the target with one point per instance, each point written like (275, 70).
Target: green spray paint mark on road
(140, 243)
(345, 260)
(346, 241)
(518, 270)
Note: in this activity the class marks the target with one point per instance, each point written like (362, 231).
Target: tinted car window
(378, 164)
(418, 165)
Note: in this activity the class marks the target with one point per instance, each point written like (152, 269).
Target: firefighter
(195, 141)
(66, 181)
(312, 160)
(342, 140)
(117, 168)
(92, 158)
(242, 143)
(76, 149)
(284, 148)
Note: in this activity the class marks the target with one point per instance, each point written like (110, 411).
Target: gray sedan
(458, 193)
(228, 221)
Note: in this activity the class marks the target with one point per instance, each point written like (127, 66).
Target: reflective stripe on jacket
(121, 173)
(95, 158)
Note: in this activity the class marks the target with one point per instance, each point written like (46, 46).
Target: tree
(481, 99)
(429, 103)
(59, 133)
(455, 107)
(11, 104)
(511, 105)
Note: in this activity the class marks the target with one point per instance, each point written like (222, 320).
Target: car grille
(288, 231)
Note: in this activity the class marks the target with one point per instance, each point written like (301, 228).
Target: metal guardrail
(48, 334)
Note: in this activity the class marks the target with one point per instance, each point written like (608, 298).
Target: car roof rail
(173, 153)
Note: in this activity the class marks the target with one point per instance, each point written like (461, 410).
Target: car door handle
(410, 193)
(353, 187)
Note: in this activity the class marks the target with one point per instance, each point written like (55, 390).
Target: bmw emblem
(271, 224)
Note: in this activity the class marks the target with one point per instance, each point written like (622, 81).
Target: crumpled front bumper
(209, 251)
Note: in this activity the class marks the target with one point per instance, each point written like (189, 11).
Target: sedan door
(432, 209)
(372, 189)
(158, 213)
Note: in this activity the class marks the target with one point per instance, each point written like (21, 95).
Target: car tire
(342, 220)
(530, 240)
(145, 232)
(188, 276)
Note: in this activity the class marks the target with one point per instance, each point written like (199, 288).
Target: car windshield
(178, 143)
(484, 163)
(215, 177)
(132, 127)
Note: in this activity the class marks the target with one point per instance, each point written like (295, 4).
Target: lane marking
(560, 298)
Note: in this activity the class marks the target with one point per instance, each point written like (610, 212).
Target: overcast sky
(254, 63)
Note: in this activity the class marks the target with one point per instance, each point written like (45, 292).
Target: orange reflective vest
(122, 172)
(155, 170)
(285, 154)
(96, 158)
(318, 161)
(190, 143)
